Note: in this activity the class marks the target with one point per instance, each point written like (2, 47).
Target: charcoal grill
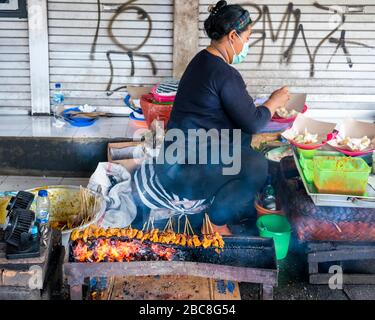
(249, 259)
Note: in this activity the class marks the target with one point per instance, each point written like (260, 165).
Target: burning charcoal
(92, 245)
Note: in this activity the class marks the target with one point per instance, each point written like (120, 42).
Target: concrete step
(53, 156)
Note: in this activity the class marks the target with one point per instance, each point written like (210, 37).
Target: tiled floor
(17, 183)
(27, 126)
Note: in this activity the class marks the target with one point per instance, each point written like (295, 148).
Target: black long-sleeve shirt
(213, 95)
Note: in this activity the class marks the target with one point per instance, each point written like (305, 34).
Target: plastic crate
(155, 111)
(338, 175)
(307, 166)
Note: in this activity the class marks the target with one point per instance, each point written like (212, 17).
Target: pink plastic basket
(162, 98)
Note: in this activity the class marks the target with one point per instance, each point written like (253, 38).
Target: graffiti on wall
(291, 22)
(263, 25)
(124, 49)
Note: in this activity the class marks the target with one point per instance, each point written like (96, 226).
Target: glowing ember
(119, 250)
(94, 244)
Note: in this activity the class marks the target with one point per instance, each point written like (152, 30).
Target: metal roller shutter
(143, 30)
(14, 66)
(333, 78)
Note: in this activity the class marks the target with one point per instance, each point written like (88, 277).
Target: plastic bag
(113, 181)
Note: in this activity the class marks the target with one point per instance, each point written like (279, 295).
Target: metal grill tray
(335, 200)
(243, 260)
(247, 252)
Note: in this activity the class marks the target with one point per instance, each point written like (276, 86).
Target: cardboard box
(297, 102)
(355, 129)
(136, 93)
(313, 126)
(129, 164)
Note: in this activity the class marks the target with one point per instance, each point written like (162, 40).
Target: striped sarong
(154, 196)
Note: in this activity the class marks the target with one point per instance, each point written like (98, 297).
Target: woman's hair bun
(223, 19)
(215, 9)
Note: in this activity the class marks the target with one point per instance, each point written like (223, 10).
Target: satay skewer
(168, 226)
(205, 224)
(185, 225)
(209, 224)
(179, 223)
(189, 225)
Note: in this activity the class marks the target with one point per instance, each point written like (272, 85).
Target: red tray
(330, 136)
(354, 153)
(276, 118)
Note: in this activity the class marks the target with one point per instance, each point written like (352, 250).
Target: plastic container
(278, 228)
(58, 105)
(165, 91)
(34, 232)
(339, 175)
(65, 204)
(307, 154)
(269, 195)
(263, 211)
(43, 207)
(154, 111)
(58, 95)
(137, 126)
(163, 98)
(307, 166)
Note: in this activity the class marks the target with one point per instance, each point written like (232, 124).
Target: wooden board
(337, 253)
(169, 288)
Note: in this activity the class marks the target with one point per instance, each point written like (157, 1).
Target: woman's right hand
(278, 99)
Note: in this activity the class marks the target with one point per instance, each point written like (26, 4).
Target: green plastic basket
(341, 175)
(278, 228)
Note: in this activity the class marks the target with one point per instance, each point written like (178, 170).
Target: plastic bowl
(263, 211)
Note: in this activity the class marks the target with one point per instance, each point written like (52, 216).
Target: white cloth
(113, 181)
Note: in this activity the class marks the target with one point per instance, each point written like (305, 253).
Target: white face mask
(239, 58)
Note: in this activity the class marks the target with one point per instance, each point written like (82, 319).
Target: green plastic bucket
(278, 228)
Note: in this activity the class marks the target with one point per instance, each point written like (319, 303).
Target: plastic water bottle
(42, 207)
(42, 215)
(58, 105)
(269, 195)
(34, 232)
